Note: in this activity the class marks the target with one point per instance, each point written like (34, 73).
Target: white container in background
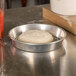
(64, 7)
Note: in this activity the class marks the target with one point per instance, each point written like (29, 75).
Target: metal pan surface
(32, 47)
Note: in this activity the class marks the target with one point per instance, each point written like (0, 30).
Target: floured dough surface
(35, 36)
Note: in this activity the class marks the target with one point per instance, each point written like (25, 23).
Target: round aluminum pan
(32, 47)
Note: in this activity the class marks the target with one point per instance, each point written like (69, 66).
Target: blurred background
(24, 3)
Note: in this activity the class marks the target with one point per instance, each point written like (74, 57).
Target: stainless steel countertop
(14, 62)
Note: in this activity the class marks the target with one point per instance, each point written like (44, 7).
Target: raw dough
(35, 36)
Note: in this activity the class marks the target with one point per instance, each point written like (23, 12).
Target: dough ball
(35, 36)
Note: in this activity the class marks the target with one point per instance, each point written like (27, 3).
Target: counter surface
(14, 62)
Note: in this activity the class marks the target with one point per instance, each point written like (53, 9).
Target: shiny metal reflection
(56, 31)
(2, 59)
(37, 61)
(55, 54)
